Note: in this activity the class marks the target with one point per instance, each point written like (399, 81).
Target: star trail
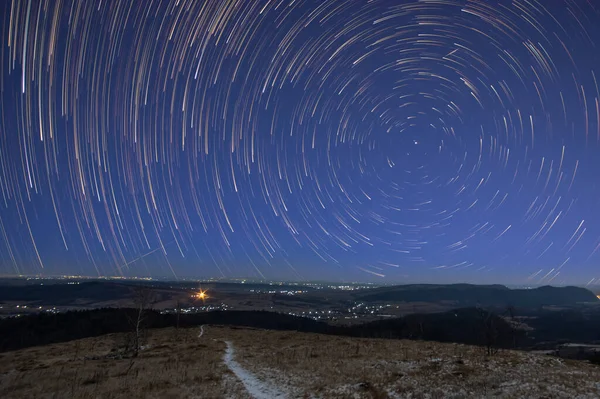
(430, 140)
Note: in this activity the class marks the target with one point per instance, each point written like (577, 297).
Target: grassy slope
(178, 364)
(340, 367)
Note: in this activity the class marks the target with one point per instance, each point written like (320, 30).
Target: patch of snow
(347, 390)
(255, 387)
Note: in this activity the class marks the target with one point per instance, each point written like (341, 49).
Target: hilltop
(481, 295)
(216, 362)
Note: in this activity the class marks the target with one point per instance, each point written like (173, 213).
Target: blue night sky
(388, 141)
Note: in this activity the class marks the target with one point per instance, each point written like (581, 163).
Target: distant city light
(201, 295)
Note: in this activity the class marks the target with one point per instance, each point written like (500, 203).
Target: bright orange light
(201, 295)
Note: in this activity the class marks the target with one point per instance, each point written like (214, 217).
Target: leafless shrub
(489, 331)
(133, 341)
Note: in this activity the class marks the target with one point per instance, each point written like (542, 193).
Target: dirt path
(255, 387)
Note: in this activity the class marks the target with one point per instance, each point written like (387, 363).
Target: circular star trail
(391, 140)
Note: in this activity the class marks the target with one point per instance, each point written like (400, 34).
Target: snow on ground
(256, 388)
(317, 366)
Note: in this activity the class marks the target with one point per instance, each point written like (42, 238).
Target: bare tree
(510, 309)
(142, 300)
(490, 331)
(178, 313)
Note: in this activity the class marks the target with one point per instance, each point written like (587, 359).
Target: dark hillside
(483, 295)
(65, 294)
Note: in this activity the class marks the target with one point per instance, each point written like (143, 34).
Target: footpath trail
(256, 388)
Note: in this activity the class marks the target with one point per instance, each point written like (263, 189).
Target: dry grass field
(180, 364)
(175, 364)
(314, 365)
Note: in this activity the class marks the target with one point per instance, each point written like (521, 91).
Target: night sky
(387, 141)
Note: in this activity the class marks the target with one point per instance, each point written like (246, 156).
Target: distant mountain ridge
(65, 294)
(462, 295)
(482, 295)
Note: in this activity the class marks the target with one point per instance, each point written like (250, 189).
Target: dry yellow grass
(175, 365)
(313, 365)
(179, 364)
